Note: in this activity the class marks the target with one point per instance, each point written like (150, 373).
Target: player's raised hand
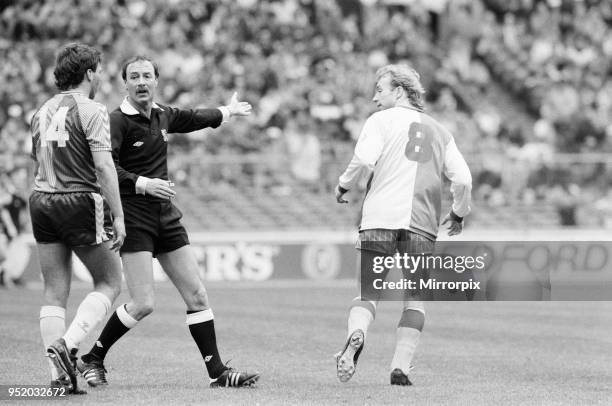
(160, 188)
(340, 191)
(119, 231)
(238, 108)
(455, 223)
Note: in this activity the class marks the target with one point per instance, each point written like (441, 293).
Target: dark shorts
(389, 242)
(75, 219)
(376, 244)
(152, 226)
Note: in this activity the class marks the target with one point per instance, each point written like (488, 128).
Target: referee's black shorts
(152, 225)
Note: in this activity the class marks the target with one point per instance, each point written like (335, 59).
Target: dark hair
(136, 59)
(72, 64)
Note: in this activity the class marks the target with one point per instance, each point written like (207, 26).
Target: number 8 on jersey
(419, 146)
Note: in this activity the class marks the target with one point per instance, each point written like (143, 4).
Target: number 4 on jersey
(57, 129)
(419, 147)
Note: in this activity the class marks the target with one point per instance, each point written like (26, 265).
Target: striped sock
(407, 338)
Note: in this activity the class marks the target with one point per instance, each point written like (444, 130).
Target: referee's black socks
(202, 327)
(116, 326)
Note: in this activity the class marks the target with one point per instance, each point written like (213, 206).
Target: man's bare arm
(107, 177)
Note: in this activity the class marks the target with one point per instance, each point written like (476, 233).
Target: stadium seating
(312, 63)
(228, 208)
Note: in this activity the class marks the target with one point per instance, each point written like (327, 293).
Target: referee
(139, 131)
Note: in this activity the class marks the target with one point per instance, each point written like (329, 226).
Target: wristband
(454, 217)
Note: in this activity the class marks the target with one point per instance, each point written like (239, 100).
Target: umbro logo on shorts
(207, 358)
(138, 143)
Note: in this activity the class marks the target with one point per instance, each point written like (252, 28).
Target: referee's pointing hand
(238, 108)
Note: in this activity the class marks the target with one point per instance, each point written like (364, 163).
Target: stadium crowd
(305, 65)
(556, 55)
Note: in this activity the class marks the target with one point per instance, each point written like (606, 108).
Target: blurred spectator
(12, 257)
(565, 199)
(304, 150)
(603, 207)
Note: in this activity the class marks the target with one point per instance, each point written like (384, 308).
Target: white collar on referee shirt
(128, 109)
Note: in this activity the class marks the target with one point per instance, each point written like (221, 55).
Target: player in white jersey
(404, 152)
(72, 149)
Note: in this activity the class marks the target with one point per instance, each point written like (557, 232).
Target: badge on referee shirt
(164, 133)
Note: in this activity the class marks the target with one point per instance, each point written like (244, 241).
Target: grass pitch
(479, 353)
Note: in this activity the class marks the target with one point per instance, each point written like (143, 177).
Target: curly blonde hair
(408, 79)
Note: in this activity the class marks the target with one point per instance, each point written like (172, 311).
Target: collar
(410, 107)
(127, 108)
(74, 91)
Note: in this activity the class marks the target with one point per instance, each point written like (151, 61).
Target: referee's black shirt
(140, 145)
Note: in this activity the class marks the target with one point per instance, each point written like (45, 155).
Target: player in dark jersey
(139, 130)
(72, 148)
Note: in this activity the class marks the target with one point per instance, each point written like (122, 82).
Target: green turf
(483, 353)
